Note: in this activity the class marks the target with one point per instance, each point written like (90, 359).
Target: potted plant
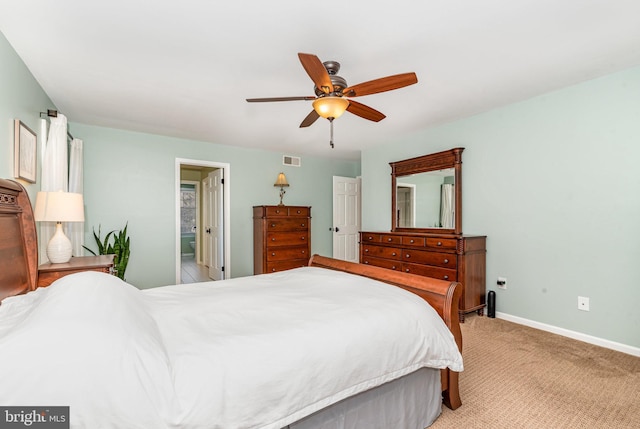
(119, 247)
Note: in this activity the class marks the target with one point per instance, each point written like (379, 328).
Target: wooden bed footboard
(443, 296)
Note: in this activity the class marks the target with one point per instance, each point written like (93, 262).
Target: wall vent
(293, 161)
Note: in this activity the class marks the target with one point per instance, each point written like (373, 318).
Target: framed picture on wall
(25, 152)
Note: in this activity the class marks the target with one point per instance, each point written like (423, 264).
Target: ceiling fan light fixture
(330, 106)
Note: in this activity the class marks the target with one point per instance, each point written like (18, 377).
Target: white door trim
(226, 210)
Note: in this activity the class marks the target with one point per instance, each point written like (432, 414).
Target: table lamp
(59, 207)
(282, 182)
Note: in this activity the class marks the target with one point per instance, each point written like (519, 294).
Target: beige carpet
(519, 377)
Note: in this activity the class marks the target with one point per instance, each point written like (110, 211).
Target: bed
(330, 345)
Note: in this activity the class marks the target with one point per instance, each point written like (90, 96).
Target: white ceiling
(184, 68)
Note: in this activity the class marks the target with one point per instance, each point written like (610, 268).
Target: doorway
(201, 256)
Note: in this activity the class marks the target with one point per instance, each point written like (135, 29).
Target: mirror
(427, 193)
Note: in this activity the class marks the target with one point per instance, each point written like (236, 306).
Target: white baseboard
(624, 348)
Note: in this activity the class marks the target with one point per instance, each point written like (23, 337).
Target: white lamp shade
(59, 207)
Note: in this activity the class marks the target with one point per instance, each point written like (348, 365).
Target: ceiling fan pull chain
(331, 137)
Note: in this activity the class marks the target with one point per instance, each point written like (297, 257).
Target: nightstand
(48, 272)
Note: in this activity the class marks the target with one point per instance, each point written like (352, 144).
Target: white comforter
(254, 352)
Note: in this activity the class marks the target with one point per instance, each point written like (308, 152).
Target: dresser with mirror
(426, 228)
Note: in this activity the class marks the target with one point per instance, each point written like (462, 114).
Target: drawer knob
(393, 268)
(304, 251)
(439, 243)
(273, 239)
(410, 241)
(446, 277)
(407, 256)
(273, 270)
(301, 238)
(370, 238)
(393, 254)
(406, 270)
(389, 239)
(273, 225)
(299, 212)
(366, 250)
(273, 253)
(366, 262)
(446, 261)
(303, 225)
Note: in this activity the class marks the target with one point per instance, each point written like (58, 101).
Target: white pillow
(86, 341)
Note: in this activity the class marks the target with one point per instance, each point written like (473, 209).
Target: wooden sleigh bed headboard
(19, 271)
(18, 241)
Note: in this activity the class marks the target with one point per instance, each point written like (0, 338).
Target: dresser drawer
(275, 266)
(390, 239)
(442, 243)
(413, 241)
(444, 260)
(370, 238)
(430, 271)
(286, 238)
(382, 252)
(276, 211)
(299, 211)
(383, 263)
(287, 253)
(287, 224)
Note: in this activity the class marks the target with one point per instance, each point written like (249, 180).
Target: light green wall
(21, 97)
(130, 177)
(554, 183)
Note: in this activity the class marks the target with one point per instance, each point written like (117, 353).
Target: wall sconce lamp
(282, 182)
(59, 207)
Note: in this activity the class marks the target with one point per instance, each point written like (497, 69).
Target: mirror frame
(436, 161)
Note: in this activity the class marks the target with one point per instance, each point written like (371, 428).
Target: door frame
(226, 210)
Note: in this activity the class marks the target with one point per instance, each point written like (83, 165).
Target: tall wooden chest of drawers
(281, 238)
(454, 258)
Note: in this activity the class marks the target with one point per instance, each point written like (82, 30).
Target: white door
(346, 218)
(214, 254)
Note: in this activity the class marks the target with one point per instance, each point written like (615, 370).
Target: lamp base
(59, 248)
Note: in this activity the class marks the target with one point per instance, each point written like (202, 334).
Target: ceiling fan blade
(261, 100)
(365, 112)
(381, 85)
(316, 71)
(310, 119)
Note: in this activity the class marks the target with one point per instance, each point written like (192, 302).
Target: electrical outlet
(502, 282)
(583, 303)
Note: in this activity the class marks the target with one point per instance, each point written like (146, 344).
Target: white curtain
(54, 173)
(447, 209)
(75, 230)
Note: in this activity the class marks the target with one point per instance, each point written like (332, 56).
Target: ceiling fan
(333, 95)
